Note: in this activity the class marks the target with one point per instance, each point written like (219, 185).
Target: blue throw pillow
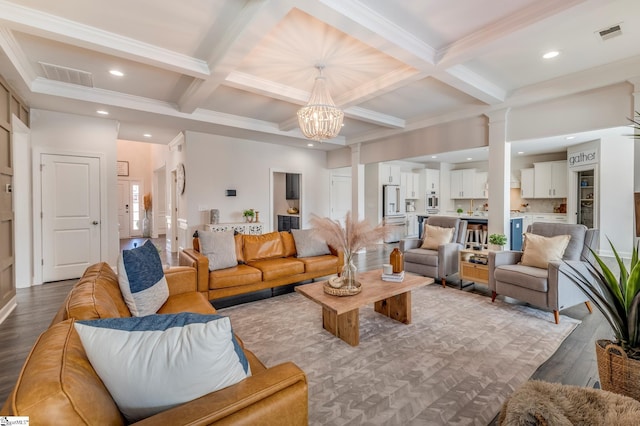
(141, 279)
(150, 364)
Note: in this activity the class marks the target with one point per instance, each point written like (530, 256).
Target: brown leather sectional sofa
(264, 261)
(58, 385)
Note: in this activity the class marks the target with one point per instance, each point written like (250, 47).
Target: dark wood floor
(573, 363)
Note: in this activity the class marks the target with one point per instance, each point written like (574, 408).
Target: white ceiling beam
(16, 56)
(471, 83)
(255, 20)
(69, 32)
(480, 41)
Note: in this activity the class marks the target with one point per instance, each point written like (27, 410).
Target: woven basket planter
(618, 373)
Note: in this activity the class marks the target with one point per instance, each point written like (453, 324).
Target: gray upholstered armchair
(437, 263)
(547, 288)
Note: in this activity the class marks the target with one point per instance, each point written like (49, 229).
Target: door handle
(95, 222)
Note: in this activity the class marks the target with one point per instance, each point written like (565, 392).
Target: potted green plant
(619, 301)
(248, 215)
(459, 211)
(497, 241)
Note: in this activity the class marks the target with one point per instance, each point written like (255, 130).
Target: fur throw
(553, 404)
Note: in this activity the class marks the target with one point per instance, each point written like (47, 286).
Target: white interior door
(70, 215)
(136, 210)
(340, 197)
(124, 204)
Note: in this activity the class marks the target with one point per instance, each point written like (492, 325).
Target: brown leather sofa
(264, 261)
(57, 384)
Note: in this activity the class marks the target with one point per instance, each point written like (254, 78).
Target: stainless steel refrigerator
(394, 213)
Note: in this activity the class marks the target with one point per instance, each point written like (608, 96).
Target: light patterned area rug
(457, 362)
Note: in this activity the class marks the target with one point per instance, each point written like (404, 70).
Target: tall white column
(357, 183)
(499, 174)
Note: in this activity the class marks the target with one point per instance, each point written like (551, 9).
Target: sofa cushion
(232, 277)
(422, 256)
(264, 246)
(435, 236)
(220, 249)
(308, 243)
(58, 380)
(320, 263)
(278, 268)
(538, 251)
(238, 238)
(187, 302)
(288, 243)
(141, 279)
(525, 276)
(96, 295)
(170, 359)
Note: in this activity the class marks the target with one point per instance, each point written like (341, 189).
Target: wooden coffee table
(340, 314)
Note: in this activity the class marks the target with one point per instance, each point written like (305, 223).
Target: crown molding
(473, 84)
(67, 31)
(16, 56)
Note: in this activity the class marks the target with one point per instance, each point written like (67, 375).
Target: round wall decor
(181, 178)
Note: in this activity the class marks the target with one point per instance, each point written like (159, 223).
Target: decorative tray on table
(335, 287)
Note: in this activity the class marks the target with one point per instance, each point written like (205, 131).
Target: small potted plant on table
(248, 215)
(497, 241)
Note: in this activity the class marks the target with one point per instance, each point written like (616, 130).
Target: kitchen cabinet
(389, 175)
(550, 179)
(410, 184)
(432, 180)
(292, 184)
(287, 223)
(412, 225)
(480, 188)
(462, 183)
(526, 183)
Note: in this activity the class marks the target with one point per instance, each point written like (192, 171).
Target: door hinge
(41, 215)
(41, 167)
(42, 262)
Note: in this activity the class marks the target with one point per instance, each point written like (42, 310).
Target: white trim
(6, 310)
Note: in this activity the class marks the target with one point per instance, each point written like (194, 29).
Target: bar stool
(473, 234)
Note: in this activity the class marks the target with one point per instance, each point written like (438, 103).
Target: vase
(618, 373)
(397, 260)
(146, 226)
(349, 272)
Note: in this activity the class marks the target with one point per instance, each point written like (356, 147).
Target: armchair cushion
(170, 359)
(526, 276)
(220, 249)
(422, 256)
(435, 236)
(540, 250)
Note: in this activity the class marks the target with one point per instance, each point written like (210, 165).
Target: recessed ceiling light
(116, 73)
(309, 144)
(570, 137)
(147, 135)
(102, 112)
(469, 158)
(520, 152)
(434, 156)
(551, 54)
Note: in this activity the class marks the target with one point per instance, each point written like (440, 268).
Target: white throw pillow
(150, 364)
(308, 244)
(435, 236)
(141, 279)
(220, 248)
(539, 251)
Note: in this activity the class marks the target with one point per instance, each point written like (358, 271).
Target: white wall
(216, 163)
(22, 204)
(54, 132)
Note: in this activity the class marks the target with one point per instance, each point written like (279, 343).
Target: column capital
(636, 84)
(497, 116)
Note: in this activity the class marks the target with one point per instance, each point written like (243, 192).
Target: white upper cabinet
(550, 179)
(432, 180)
(410, 184)
(526, 183)
(389, 175)
(463, 183)
(480, 188)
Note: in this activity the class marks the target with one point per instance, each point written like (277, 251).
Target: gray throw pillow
(307, 244)
(220, 249)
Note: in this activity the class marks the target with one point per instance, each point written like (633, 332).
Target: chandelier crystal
(320, 119)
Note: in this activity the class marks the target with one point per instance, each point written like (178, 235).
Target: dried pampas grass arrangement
(354, 236)
(146, 202)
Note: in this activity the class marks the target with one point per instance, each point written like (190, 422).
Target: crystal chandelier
(320, 119)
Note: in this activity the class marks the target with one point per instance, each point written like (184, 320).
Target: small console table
(473, 266)
(242, 228)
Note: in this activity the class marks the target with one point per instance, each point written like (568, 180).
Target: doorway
(71, 215)
(129, 208)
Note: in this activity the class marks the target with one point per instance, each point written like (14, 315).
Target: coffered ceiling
(242, 68)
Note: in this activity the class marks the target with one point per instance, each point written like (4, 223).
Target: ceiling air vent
(610, 32)
(67, 75)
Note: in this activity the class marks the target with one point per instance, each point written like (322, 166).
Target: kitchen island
(515, 241)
